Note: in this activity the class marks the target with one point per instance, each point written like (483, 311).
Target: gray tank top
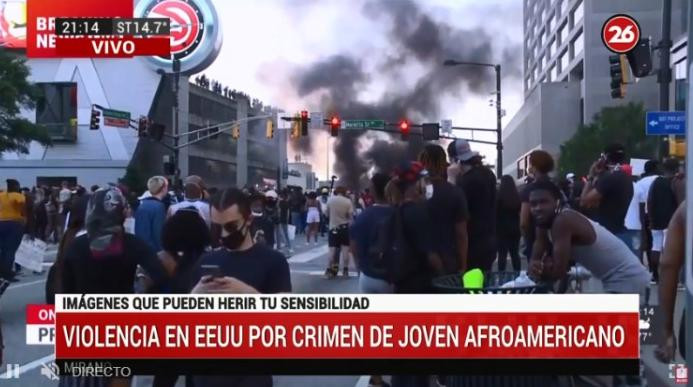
(611, 261)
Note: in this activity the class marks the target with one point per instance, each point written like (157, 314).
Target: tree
(618, 124)
(16, 92)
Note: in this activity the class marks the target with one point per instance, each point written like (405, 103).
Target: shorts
(339, 236)
(658, 238)
(313, 216)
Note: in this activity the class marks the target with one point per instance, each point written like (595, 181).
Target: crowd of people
(442, 214)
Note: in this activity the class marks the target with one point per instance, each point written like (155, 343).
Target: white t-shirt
(200, 206)
(640, 191)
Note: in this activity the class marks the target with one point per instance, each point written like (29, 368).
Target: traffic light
(404, 129)
(430, 132)
(142, 127)
(335, 124)
(640, 58)
(236, 132)
(304, 122)
(95, 119)
(618, 69)
(270, 129)
(295, 129)
(156, 131)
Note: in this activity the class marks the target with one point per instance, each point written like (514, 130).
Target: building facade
(563, 44)
(301, 175)
(72, 86)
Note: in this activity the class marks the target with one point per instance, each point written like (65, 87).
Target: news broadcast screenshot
(345, 193)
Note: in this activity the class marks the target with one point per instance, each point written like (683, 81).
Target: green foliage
(16, 92)
(619, 124)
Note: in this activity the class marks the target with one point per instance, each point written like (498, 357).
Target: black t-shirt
(479, 186)
(417, 232)
(84, 273)
(447, 207)
(507, 220)
(283, 212)
(265, 270)
(266, 225)
(260, 267)
(661, 203)
(616, 189)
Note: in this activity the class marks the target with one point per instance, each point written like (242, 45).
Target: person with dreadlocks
(447, 207)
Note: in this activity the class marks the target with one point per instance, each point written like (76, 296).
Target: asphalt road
(307, 266)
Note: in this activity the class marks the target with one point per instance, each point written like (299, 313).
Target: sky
(270, 44)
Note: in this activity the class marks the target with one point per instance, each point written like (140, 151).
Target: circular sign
(620, 33)
(195, 33)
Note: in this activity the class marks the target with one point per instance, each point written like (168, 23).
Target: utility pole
(176, 128)
(664, 73)
(499, 124)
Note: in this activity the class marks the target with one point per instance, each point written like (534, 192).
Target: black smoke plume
(415, 36)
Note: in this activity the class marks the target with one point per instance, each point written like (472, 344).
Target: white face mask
(429, 191)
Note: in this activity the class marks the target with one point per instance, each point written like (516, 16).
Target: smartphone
(213, 271)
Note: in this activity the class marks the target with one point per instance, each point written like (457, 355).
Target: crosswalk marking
(309, 255)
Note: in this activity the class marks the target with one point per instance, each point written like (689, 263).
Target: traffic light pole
(176, 129)
(499, 124)
(664, 73)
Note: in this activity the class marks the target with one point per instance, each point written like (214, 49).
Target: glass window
(577, 14)
(564, 60)
(535, 73)
(56, 110)
(527, 83)
(553, 74)
(540, 63)
(537, 26)
(578, 44)
(551, 23)
(552, 48)
(540, 41)
(564, 7)
(543, 14)
(563, 33)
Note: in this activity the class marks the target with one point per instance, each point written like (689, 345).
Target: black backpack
(391, 255)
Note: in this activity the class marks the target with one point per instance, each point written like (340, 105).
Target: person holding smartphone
(243, 267)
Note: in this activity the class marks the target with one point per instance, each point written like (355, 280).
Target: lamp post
(499, 139)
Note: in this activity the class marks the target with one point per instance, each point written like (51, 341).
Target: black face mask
(235, 238)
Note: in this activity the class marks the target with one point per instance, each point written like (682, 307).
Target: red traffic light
(404, 129)
(304, 114)
(335, 124)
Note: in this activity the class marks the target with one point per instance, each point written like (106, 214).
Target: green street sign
(117, 114)
(364, 124)
(116, 118)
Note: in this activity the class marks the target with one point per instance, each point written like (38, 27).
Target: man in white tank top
(575, 237)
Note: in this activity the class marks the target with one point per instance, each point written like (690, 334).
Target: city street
(307, 267)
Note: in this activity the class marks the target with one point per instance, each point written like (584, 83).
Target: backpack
(390, 254)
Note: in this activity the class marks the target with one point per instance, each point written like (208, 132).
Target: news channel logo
(678, 373)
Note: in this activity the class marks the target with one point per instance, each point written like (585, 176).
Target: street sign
(363, 124)
(316, 120)
(665, 123)
(116, 118)
(446, 126)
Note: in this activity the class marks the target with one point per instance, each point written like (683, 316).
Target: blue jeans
(296, 221)
(283, 233)
(10, 238)
(632, 239)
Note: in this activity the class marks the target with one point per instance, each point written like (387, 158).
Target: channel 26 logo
(678, 373)
(50, 371)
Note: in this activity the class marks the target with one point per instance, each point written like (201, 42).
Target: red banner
(40, 314)
(364, 335)
(113, 47)
(41, 14)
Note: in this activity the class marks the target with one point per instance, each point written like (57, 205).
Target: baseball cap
(271, 194)
(410, 171)
(570, 176)
(460, 150)
(194, 179)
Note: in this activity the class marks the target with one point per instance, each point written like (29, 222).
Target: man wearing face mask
(479, 186)
(448, 207)
(244, 267)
